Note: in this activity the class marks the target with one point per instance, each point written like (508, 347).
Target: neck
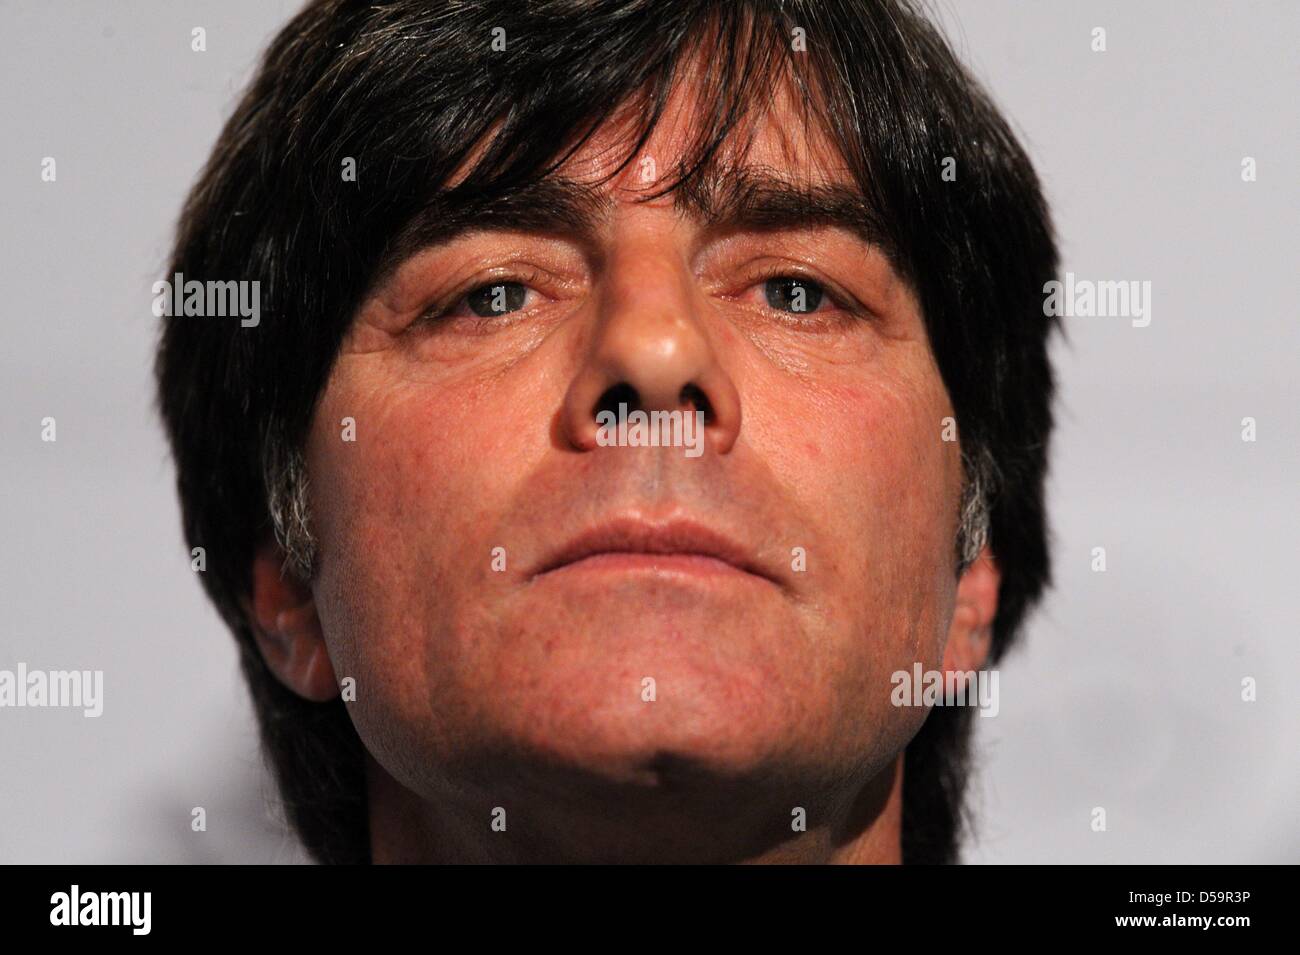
(574, 821)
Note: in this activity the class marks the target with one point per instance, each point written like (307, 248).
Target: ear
(283, 613)
(970, 635)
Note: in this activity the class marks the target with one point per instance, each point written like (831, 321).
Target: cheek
(885, 488)
(863, 449)
(415, 442)
(399, 512)
(889, 432)
(403, 516)
(875, 440)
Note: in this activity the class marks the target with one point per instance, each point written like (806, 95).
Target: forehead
(778, 136)
(772, 166)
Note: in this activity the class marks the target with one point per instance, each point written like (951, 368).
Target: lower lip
(676, 565)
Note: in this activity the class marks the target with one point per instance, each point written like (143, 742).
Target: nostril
(695, 397)
(615, 395)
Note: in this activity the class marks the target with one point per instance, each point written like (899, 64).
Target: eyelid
(841, 299)
(527, 276)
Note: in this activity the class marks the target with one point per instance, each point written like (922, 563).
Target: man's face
(768, 587)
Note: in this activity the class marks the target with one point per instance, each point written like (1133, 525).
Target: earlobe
(970, 634)
(282, 610)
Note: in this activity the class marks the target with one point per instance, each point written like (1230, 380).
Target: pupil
(496, 299)
(792, 295)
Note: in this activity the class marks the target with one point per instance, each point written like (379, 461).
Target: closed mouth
(679, 546)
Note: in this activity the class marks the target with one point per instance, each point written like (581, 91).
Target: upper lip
(631, 536)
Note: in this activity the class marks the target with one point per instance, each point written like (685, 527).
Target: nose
(650, 351)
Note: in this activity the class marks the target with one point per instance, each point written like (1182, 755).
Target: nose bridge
(648, 335)
(649, 345)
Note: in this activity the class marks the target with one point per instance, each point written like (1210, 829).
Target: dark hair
(407, 88)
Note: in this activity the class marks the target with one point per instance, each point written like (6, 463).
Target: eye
(502, 296)
(790, 293)
(494, 299)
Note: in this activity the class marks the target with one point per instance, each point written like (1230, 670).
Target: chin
(709, 717)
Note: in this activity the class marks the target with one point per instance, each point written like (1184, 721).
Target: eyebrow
(754, 198)
(736, 199)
